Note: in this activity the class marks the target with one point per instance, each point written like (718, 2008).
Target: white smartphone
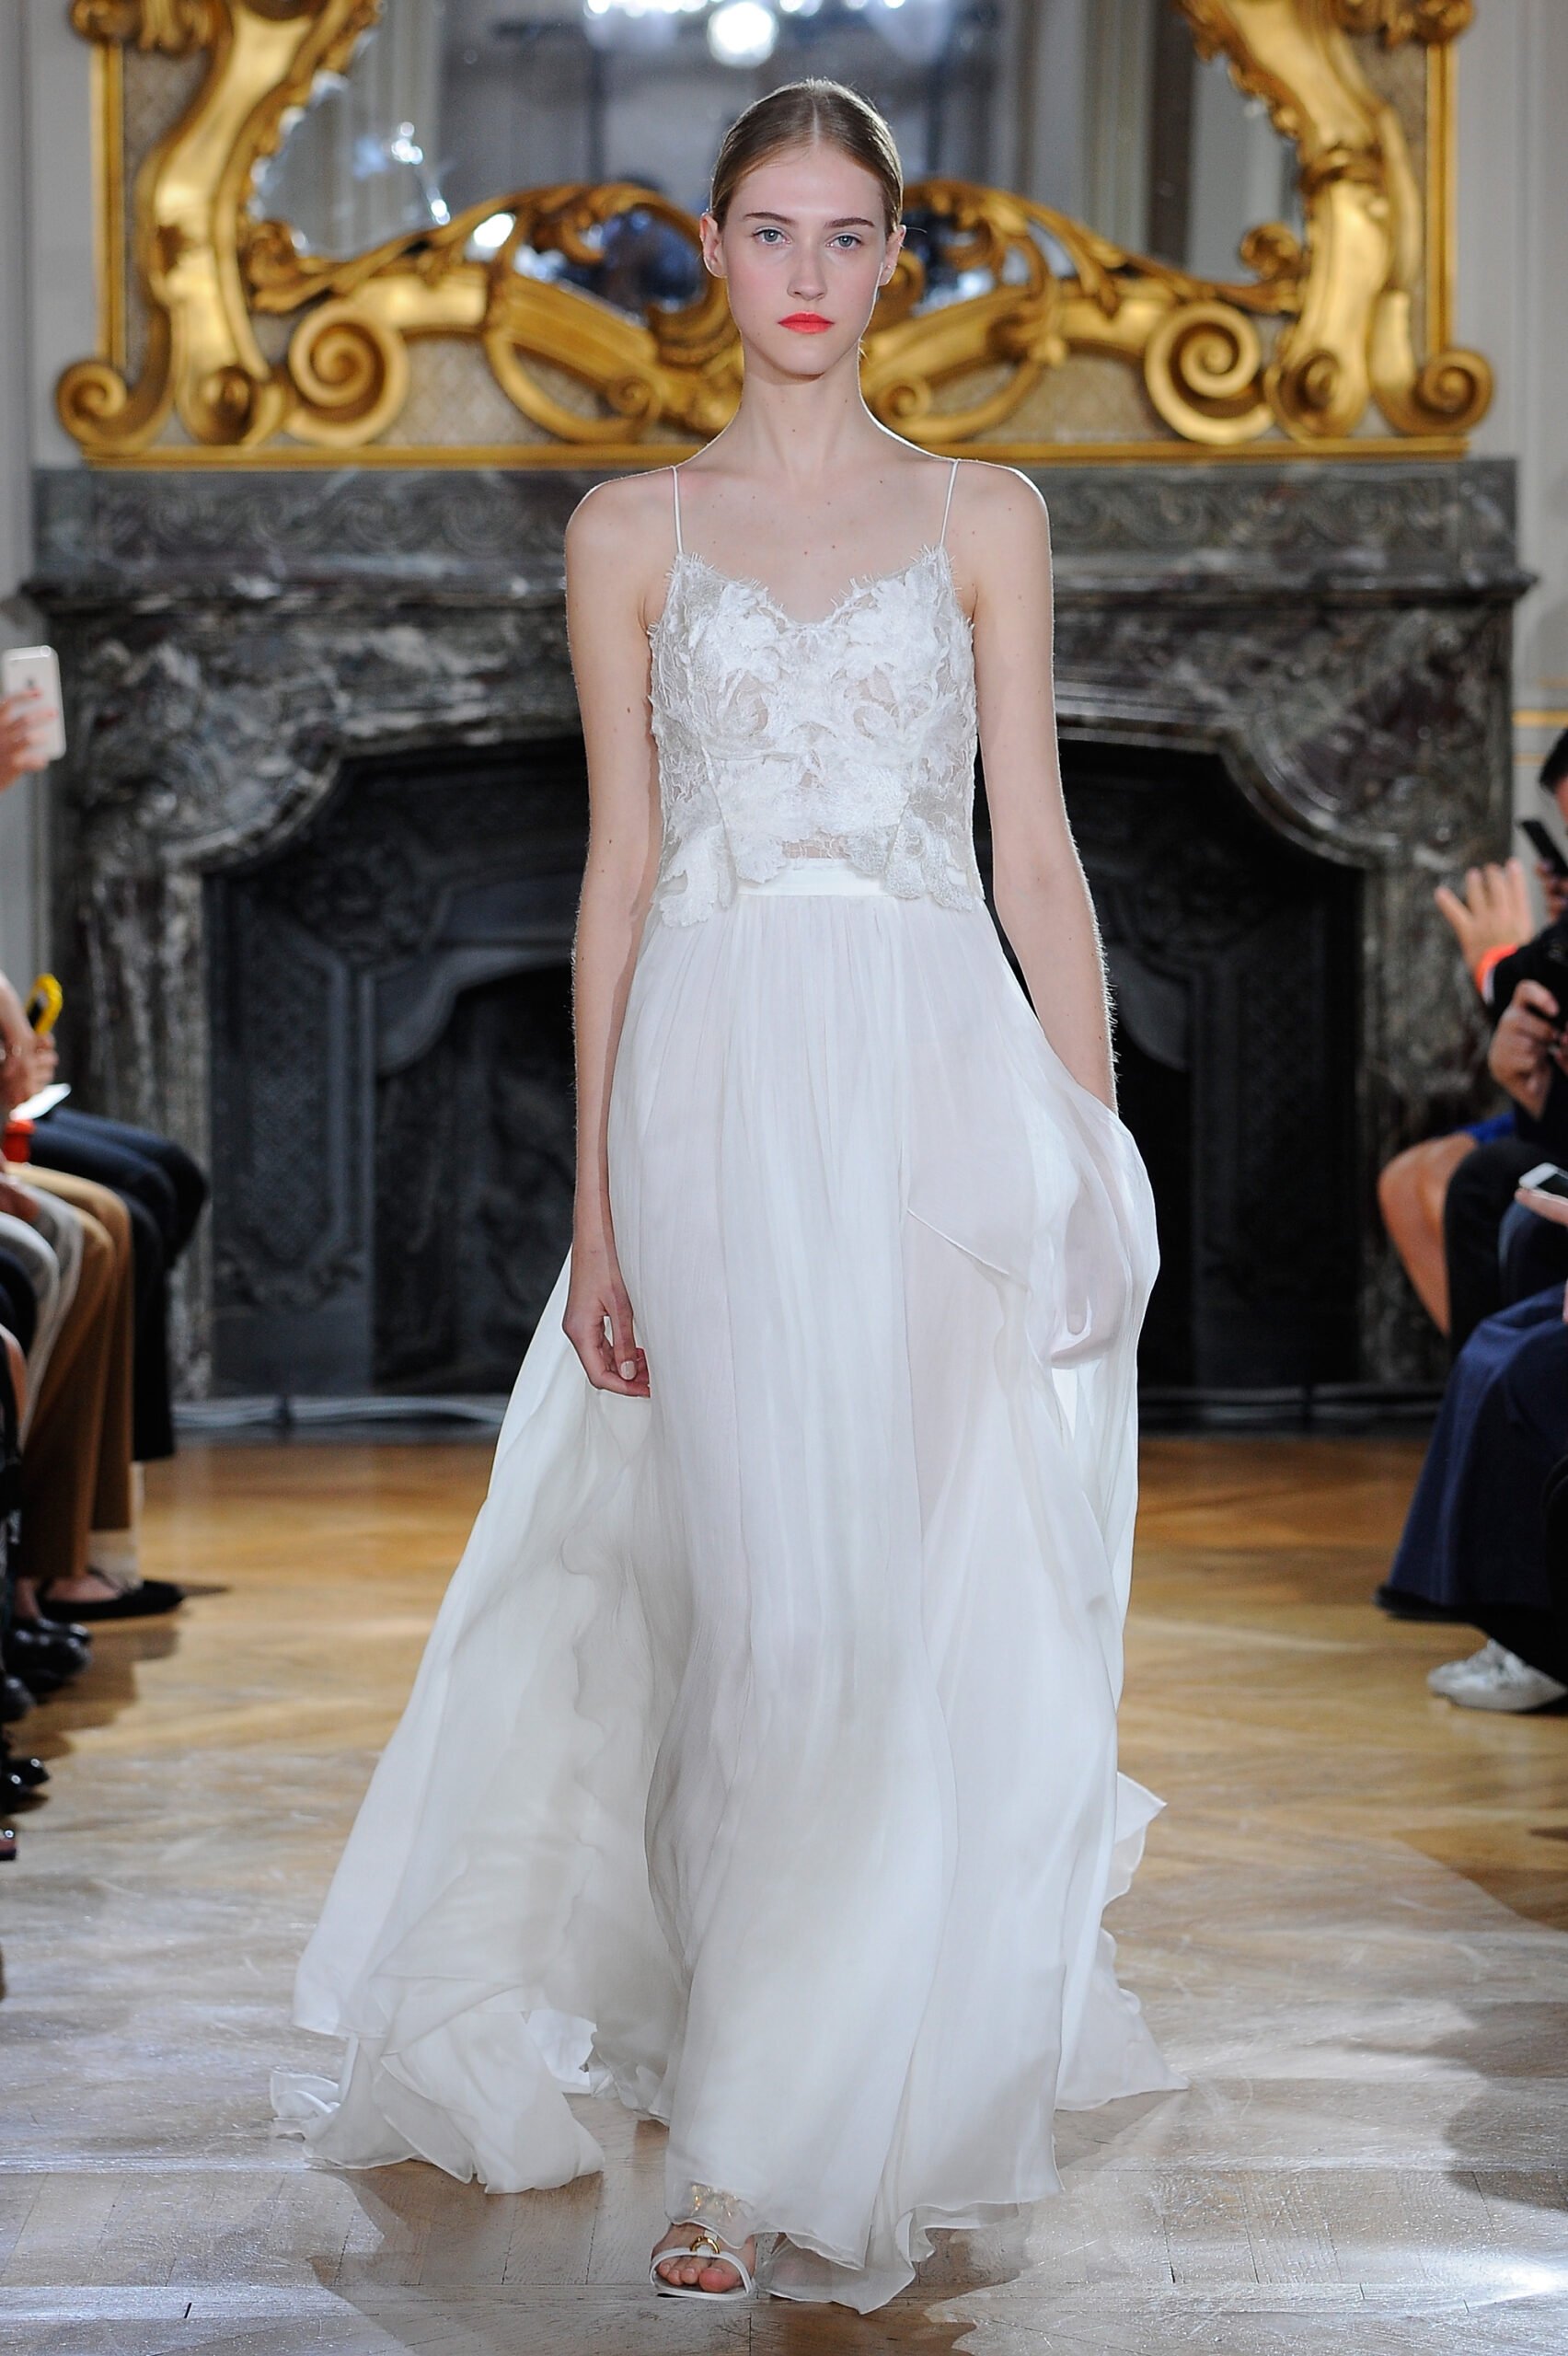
(38, 667)
(1547, 1179)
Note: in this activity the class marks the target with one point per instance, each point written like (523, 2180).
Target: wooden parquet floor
(1351, 1930)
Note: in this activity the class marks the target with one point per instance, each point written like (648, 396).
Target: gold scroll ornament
(1322, 328)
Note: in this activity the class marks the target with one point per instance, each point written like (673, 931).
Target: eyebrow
(844, 220)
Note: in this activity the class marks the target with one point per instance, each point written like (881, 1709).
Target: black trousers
(164, 1190)
(1481, 1194)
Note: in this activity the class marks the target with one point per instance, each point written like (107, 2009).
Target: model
(761, 1766)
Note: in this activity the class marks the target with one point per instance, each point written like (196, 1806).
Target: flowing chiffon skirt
(761, 1766)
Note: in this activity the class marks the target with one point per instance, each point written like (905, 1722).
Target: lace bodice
(851, 737)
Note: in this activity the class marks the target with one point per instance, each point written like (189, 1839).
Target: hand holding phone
(1545, 847)
(29, 682)
(1544, 1190)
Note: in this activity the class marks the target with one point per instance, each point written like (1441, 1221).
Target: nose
(807, 280)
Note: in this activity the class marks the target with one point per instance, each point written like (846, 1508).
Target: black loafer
(29, 1771)
(14, 1700)
(50, 1627)
(137, 1603)
(35, 1657)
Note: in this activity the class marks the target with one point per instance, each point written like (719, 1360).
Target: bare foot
(703, 2273)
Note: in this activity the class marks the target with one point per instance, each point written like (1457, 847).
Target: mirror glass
(1100, 108)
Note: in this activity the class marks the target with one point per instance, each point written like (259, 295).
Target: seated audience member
(1476, 1541)
(1527, 1059)
(25, 1250)
(161, 1187)
(1490, 919)
(1492, 916)
(22, 1778)
(77, 1547)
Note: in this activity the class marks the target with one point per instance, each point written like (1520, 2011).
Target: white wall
(47, 318)
(1513, 82)
(20, 847)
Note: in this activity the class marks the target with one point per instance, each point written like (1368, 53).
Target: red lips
(806, 322)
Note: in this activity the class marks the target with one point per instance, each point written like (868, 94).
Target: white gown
(761, 1766)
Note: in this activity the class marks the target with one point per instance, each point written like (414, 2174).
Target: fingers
(1534, 997)
(1553, 1208)
(599, 1330)
(626, 1358)
(1456, 913)
(1514, 900)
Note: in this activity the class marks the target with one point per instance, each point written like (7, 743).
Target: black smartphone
(1547, 1179)
(1544, 848)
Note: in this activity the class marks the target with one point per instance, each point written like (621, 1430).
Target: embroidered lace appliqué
(852, 737)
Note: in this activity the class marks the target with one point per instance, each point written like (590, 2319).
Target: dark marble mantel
(1338, 634)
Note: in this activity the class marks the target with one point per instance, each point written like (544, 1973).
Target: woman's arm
(1038, 881)
(609, 661)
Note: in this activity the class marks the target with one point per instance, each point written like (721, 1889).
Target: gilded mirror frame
(249, 350)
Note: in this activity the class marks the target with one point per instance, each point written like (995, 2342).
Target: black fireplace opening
(475, 1156)
(392, 1071)
(392, 1087)
(1233, 961)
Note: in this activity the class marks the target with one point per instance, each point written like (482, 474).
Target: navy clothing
(1479, 1199)
(163, 1189)
(1474, 1538)
(134, 1162)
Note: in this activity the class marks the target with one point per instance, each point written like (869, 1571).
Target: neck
(801, 431)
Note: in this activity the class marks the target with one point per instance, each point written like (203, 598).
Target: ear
(890, 260)
(713, 247)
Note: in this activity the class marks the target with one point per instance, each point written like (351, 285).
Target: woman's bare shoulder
(991, 499)
(625, 521)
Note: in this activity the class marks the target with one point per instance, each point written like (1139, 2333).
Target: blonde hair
(795, 115)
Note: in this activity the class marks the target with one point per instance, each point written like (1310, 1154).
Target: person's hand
(15, 1201)
(1526, 1049)
(30, 1064)
(596, 1297)
(1494, 912)
(1545, 1206)
(23, 719)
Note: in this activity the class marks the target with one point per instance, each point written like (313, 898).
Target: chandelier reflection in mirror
(306, 254)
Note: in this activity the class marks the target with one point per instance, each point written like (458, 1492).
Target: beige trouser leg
(76, 1462)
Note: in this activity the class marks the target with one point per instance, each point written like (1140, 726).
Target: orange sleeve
(1488, 962)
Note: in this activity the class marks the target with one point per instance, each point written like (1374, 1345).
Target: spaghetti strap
(676, 488)
(952, 478)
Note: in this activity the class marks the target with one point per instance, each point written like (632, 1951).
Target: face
(804, 251)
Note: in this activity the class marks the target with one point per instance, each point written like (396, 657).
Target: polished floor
(1351, 1930)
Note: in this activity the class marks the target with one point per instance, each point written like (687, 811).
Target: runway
(1351, 1930)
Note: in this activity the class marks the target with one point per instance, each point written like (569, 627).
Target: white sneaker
(1502, 1682)
(1458, 1672)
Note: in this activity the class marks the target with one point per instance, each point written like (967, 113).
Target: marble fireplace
(318, 841)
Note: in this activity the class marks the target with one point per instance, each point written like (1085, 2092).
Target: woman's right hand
(596, 1299)
(1494, 912)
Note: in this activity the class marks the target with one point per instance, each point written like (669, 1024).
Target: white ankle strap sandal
(709, 2248)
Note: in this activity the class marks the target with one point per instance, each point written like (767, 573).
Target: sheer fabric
(761, 1767)
(851, 737)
